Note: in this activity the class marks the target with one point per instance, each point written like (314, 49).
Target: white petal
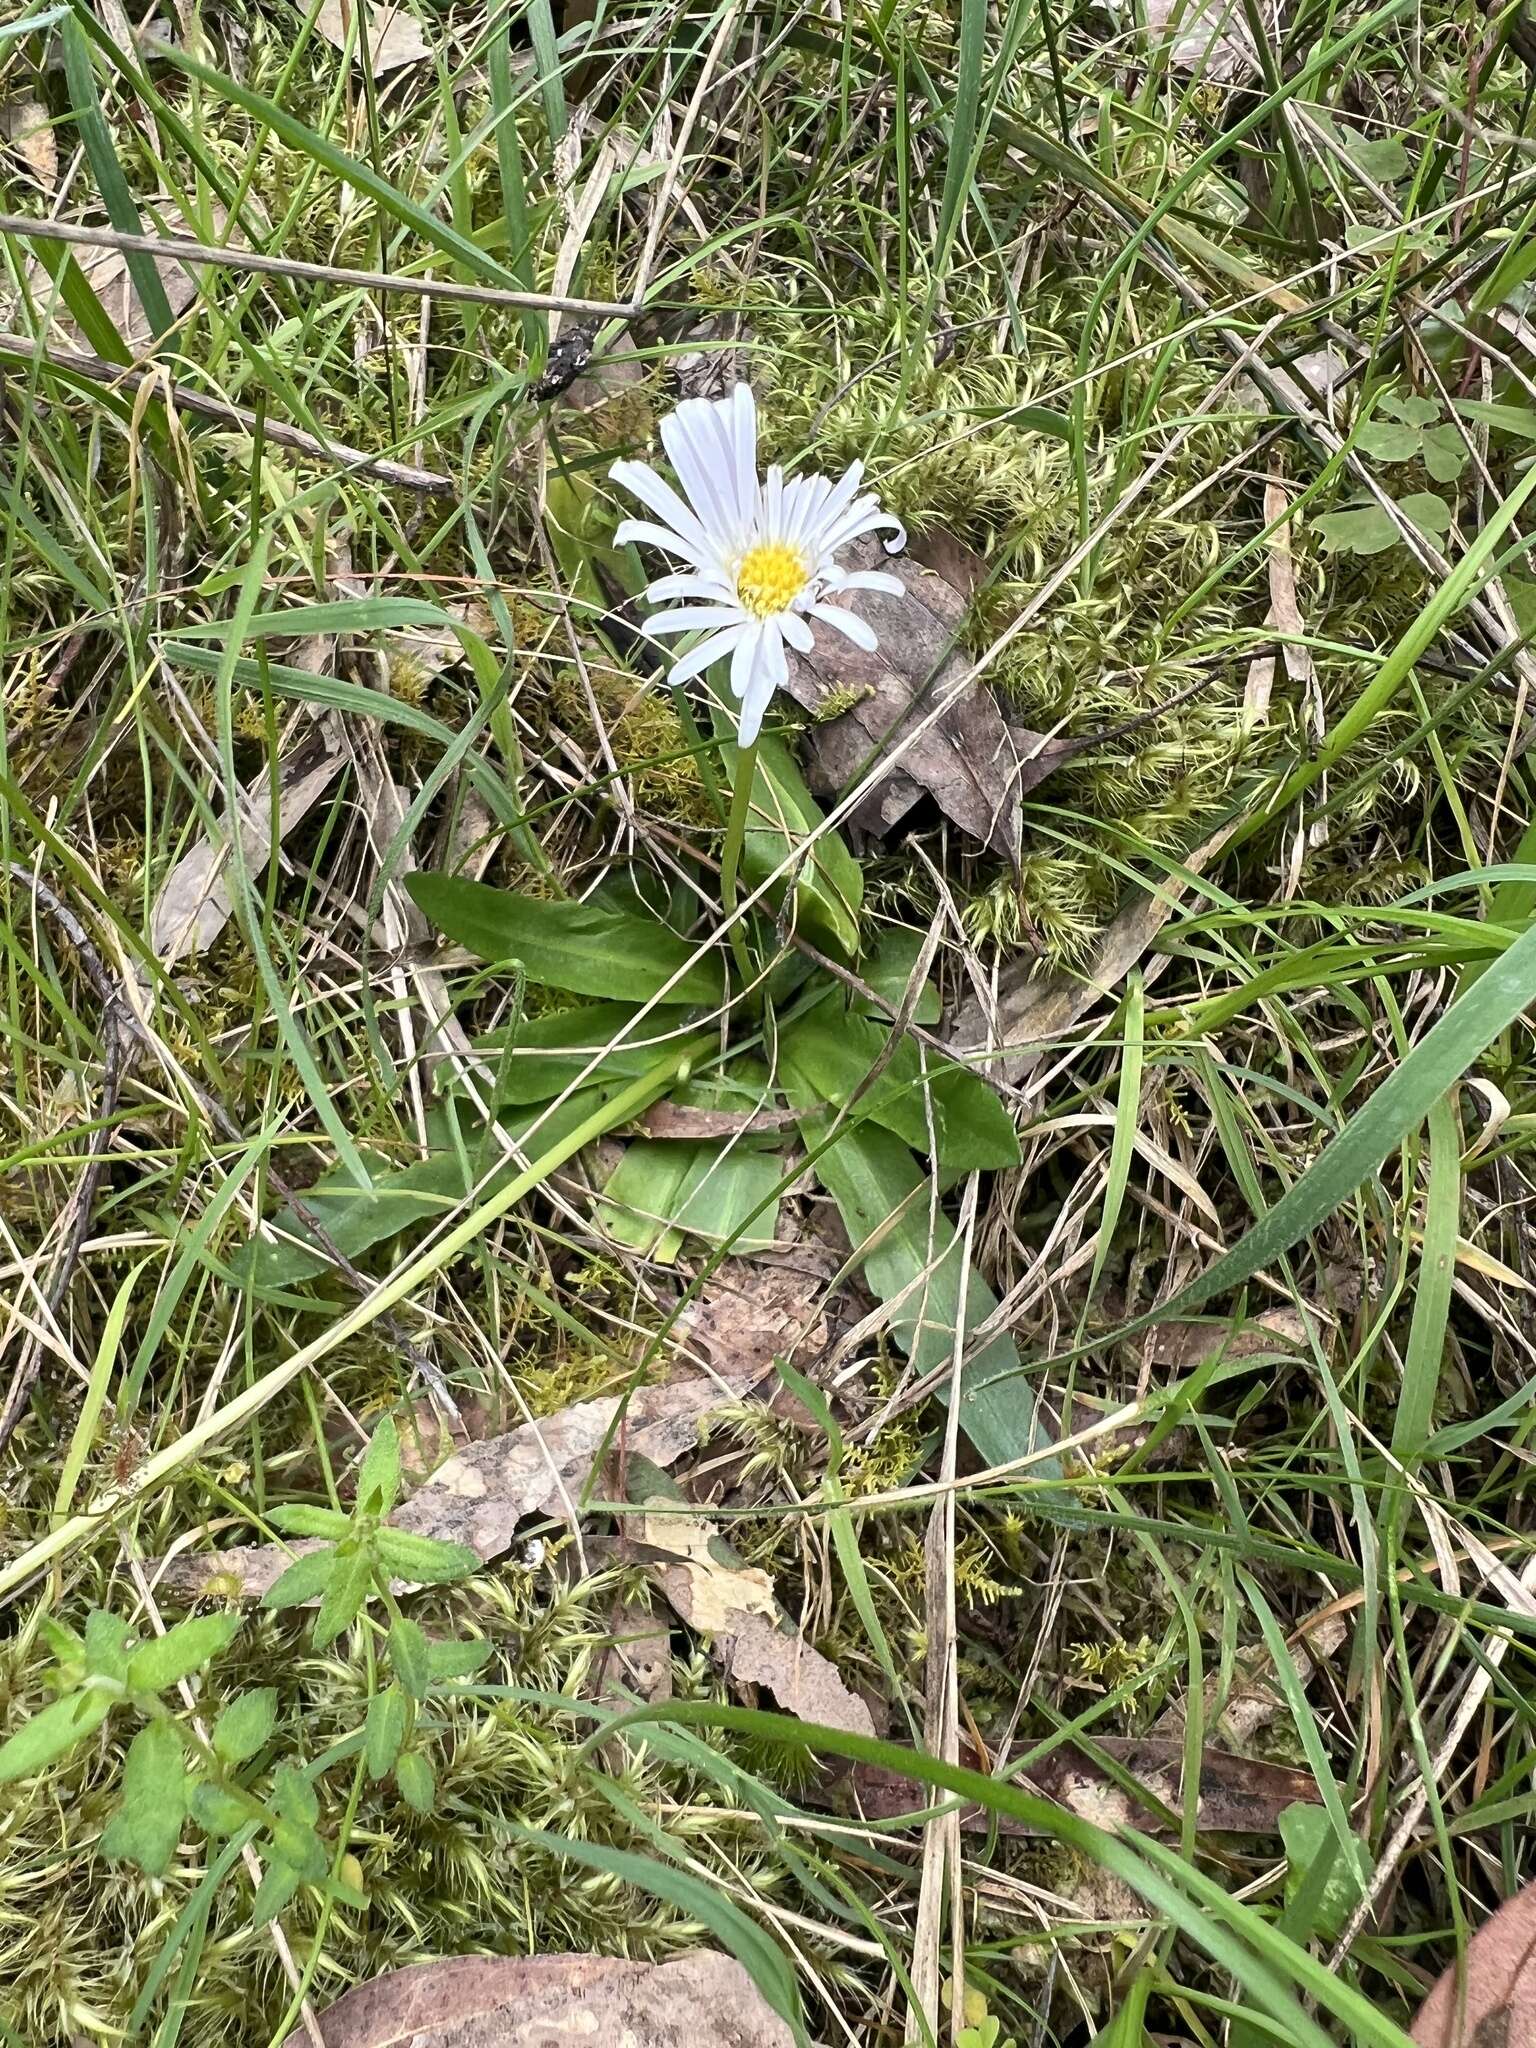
(864, 516)
(862, 579)
(837, 500)
(701, 440)
(770, 670)
(658, 496)
(692, 618)
(745, 657)
(803, 497)
(796, 632)
(714, 649)
(715, 588)
(744, 433)
(852, 628)
(663, 537)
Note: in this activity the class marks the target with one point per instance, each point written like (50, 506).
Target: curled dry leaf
(193, 905)
(26, 128)
(1490, 2002)
(971, 761)
(700, 2000)
(391, 34)
(756, 1310)
(1205, 37)
(484, 1490)
(751, 1638)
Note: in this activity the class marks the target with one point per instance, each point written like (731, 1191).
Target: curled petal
(770, 670)
(848, 624)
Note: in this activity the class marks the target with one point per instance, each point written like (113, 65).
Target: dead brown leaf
(484, 1490)
(972, 762)
(1237, 1794)
(1283, 616)
(751, 1638)
(1491, 2001)
(27, 129)
(699, 2000)
(638, 1664)
(391, 33)
(678, 1120)
(756, 1310)
(1209, 38)
(193, 905)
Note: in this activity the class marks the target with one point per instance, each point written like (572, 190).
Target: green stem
(730, 859)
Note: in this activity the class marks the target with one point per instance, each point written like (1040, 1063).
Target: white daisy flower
(762, 555)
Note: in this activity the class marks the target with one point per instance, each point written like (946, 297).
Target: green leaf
(388, 1719)
(1388, 442)
(410, 1657)
(641, 1195)
(417, 1781)
(1320, 1872)
(829, 884)
(1518, 420)
(298, 1520)
(245, 1725)
(1445, 453)
(1357, 530)
(915, 1263)
(181, 1650)
(378, 1477)
(834, 1051)
(147, 1825)
(1430, 514)
(587, 948)
(889, 969)
(216, 1810)
(279, 1882)
(345, 1592)
(731, 1193)
(547, 1053)
(294, 1796)
(116, 195)
(456, 1660)
(1384, 160)
(305, 1579)
(423, 1559)
(1407, 405)
(107, 1637)
(54, 1732)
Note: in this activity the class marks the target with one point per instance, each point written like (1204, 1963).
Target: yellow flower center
(770, 577)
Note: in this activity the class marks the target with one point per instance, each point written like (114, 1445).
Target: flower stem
(730, 858)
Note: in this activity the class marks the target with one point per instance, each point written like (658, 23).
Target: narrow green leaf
(388, 1715)
(410, 1657)
(346, 1589)
(147, 1825)
(423, 1559)
(113, 186)
(435, 232)
(245, 1725)
(417, 1781)
(305, 1579)
(752, 1946)
(547, 1054)
(296, 1519)
(378, 1477)
(1415, 1414)
(914, 1262)
(585, 948)
(181, 1650)
(836, 1050)
(53, 1733)
(279, 1882)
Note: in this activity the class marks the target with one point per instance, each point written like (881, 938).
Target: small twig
(117, 1055)
(173, 249)
(97, 370)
